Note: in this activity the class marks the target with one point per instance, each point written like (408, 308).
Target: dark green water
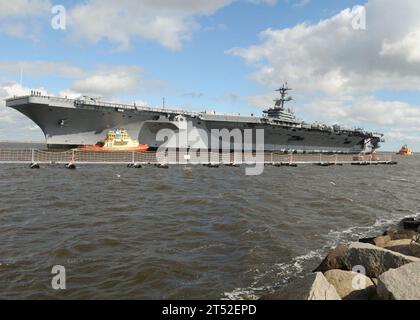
(186, 232)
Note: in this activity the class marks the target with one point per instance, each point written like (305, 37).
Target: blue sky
(224, 55)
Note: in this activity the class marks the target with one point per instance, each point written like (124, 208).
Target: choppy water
(186, 232)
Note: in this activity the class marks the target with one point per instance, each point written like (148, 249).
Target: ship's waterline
(67, 122)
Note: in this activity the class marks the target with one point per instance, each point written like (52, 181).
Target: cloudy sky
(356, 63)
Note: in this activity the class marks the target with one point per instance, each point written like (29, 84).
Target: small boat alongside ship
(405, 151)
(117, 140)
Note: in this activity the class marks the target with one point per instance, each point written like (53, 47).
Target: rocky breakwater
(386, 267)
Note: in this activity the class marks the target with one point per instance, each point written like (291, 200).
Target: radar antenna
(283, 96)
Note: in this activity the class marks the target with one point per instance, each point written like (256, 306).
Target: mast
(278, 112)
(283, 96)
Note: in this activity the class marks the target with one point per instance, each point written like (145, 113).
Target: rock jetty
(386, 267)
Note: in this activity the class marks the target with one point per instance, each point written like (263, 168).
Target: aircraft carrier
(69, 123)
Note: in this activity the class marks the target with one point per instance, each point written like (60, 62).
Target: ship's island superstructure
(72, 123)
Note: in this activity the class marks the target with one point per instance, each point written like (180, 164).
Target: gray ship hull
(69, 123)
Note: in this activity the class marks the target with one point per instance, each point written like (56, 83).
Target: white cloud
(13, 125)
(399, 121)
(70, 94)
(40, 68)
(407, 48)
(167, 22)
(8, 90)
(403, 138)
(170, 23)
(332, 57)
(105, 80)
(111, 81)
(349, 110)
(19, 18)
(21, 8)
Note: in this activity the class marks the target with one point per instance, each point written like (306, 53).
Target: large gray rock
(312, 287)
(351, 285)
(373, 259)
(400, 284)
(334, 260)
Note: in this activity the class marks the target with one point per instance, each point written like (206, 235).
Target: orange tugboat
(117, 140)
(405, 151)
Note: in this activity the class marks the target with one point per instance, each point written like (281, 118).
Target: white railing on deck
(173, 157)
